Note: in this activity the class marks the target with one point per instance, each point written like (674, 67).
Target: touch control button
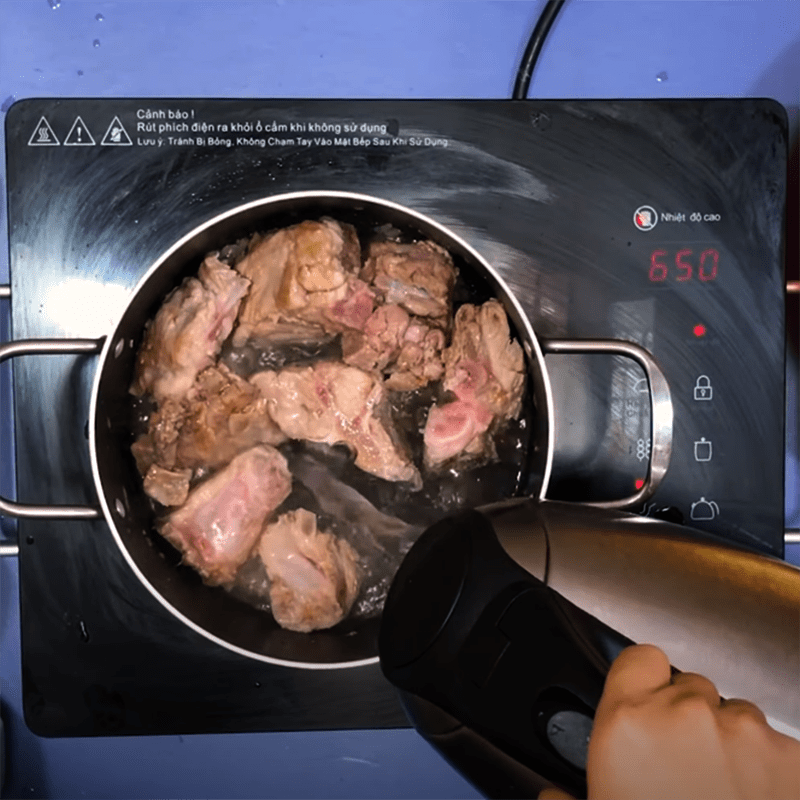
(703, 450)
(703, 389)
(703, 509)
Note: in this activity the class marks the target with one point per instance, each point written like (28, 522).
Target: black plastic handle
(498, 671)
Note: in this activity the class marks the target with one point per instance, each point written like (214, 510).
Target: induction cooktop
(656, 222)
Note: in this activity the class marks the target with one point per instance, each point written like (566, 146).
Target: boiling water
(380, 519)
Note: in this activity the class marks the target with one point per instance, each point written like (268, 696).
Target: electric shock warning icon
(116, 134)
(43, 135)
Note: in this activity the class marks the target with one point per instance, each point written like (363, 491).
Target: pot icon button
(702, 388)
(703, 509)
(702, 450)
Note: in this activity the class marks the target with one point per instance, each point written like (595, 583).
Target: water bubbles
(96, 43)
(99, 17)
(662, 76)
(54, 4)
(7, 103)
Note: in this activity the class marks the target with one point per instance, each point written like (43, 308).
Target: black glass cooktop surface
(656, 222)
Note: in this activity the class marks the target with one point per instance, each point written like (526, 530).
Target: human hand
(658, 735)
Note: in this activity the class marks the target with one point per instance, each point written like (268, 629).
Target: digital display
(684, 265)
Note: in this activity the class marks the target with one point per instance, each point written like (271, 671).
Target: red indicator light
(699, 330)
(639, 483)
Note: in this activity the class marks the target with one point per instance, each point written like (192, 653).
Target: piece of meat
(483, 363)
(314, 577)
(485, 371)
(187, 333)
(224, 415)
(420, 276)
(144, 453)
(406, 349)
(335, 403)
(221, 520)
(455, 429)
(169, 487)
(221, 416)
(298, 273)
(353, 310)
(378, 344)
(420, 358)
(159, 444)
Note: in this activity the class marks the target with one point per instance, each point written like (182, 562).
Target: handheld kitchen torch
(501, 625)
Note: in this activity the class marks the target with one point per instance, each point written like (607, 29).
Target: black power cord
(535, 44)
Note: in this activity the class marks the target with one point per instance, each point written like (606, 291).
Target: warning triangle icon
(79, 134)
(116, 134)
(43, 135)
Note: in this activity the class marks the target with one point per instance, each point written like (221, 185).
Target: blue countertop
(354, 49)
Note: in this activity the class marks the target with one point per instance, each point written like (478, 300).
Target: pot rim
(114, 344)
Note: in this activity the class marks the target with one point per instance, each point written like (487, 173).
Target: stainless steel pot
(128, 512)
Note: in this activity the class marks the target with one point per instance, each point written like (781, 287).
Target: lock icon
(702, 389)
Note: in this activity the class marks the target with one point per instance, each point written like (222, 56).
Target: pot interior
(212, 611)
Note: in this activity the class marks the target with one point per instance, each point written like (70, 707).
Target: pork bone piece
(224, 416)
(220, 522)
(169, 487)
(187, 333)
(419, 277)
(334, 403)
(420, 358)
(485, 370)
(314, 577)
(456, 429)
(307, 272)
(378, 343)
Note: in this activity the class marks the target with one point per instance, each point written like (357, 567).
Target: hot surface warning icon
(79, 134)
(43, 135)
(116, 134)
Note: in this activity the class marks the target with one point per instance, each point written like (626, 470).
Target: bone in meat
(187, 333)
(378, 344)
(218, 526)
(334, 403)
(484, 369)
(407, 349)
(420, 358)
(300, 273)
(420, 276)
(314, 576)
(225, 414)
(169, 487)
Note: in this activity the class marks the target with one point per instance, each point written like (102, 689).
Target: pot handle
(661, 408)
(30, 347)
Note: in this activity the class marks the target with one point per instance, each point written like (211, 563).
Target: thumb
(551, 793)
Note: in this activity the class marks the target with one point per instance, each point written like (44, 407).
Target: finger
(743, 707)
(688, 684)
(742, 710)
(637, 670)
(551, 793)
